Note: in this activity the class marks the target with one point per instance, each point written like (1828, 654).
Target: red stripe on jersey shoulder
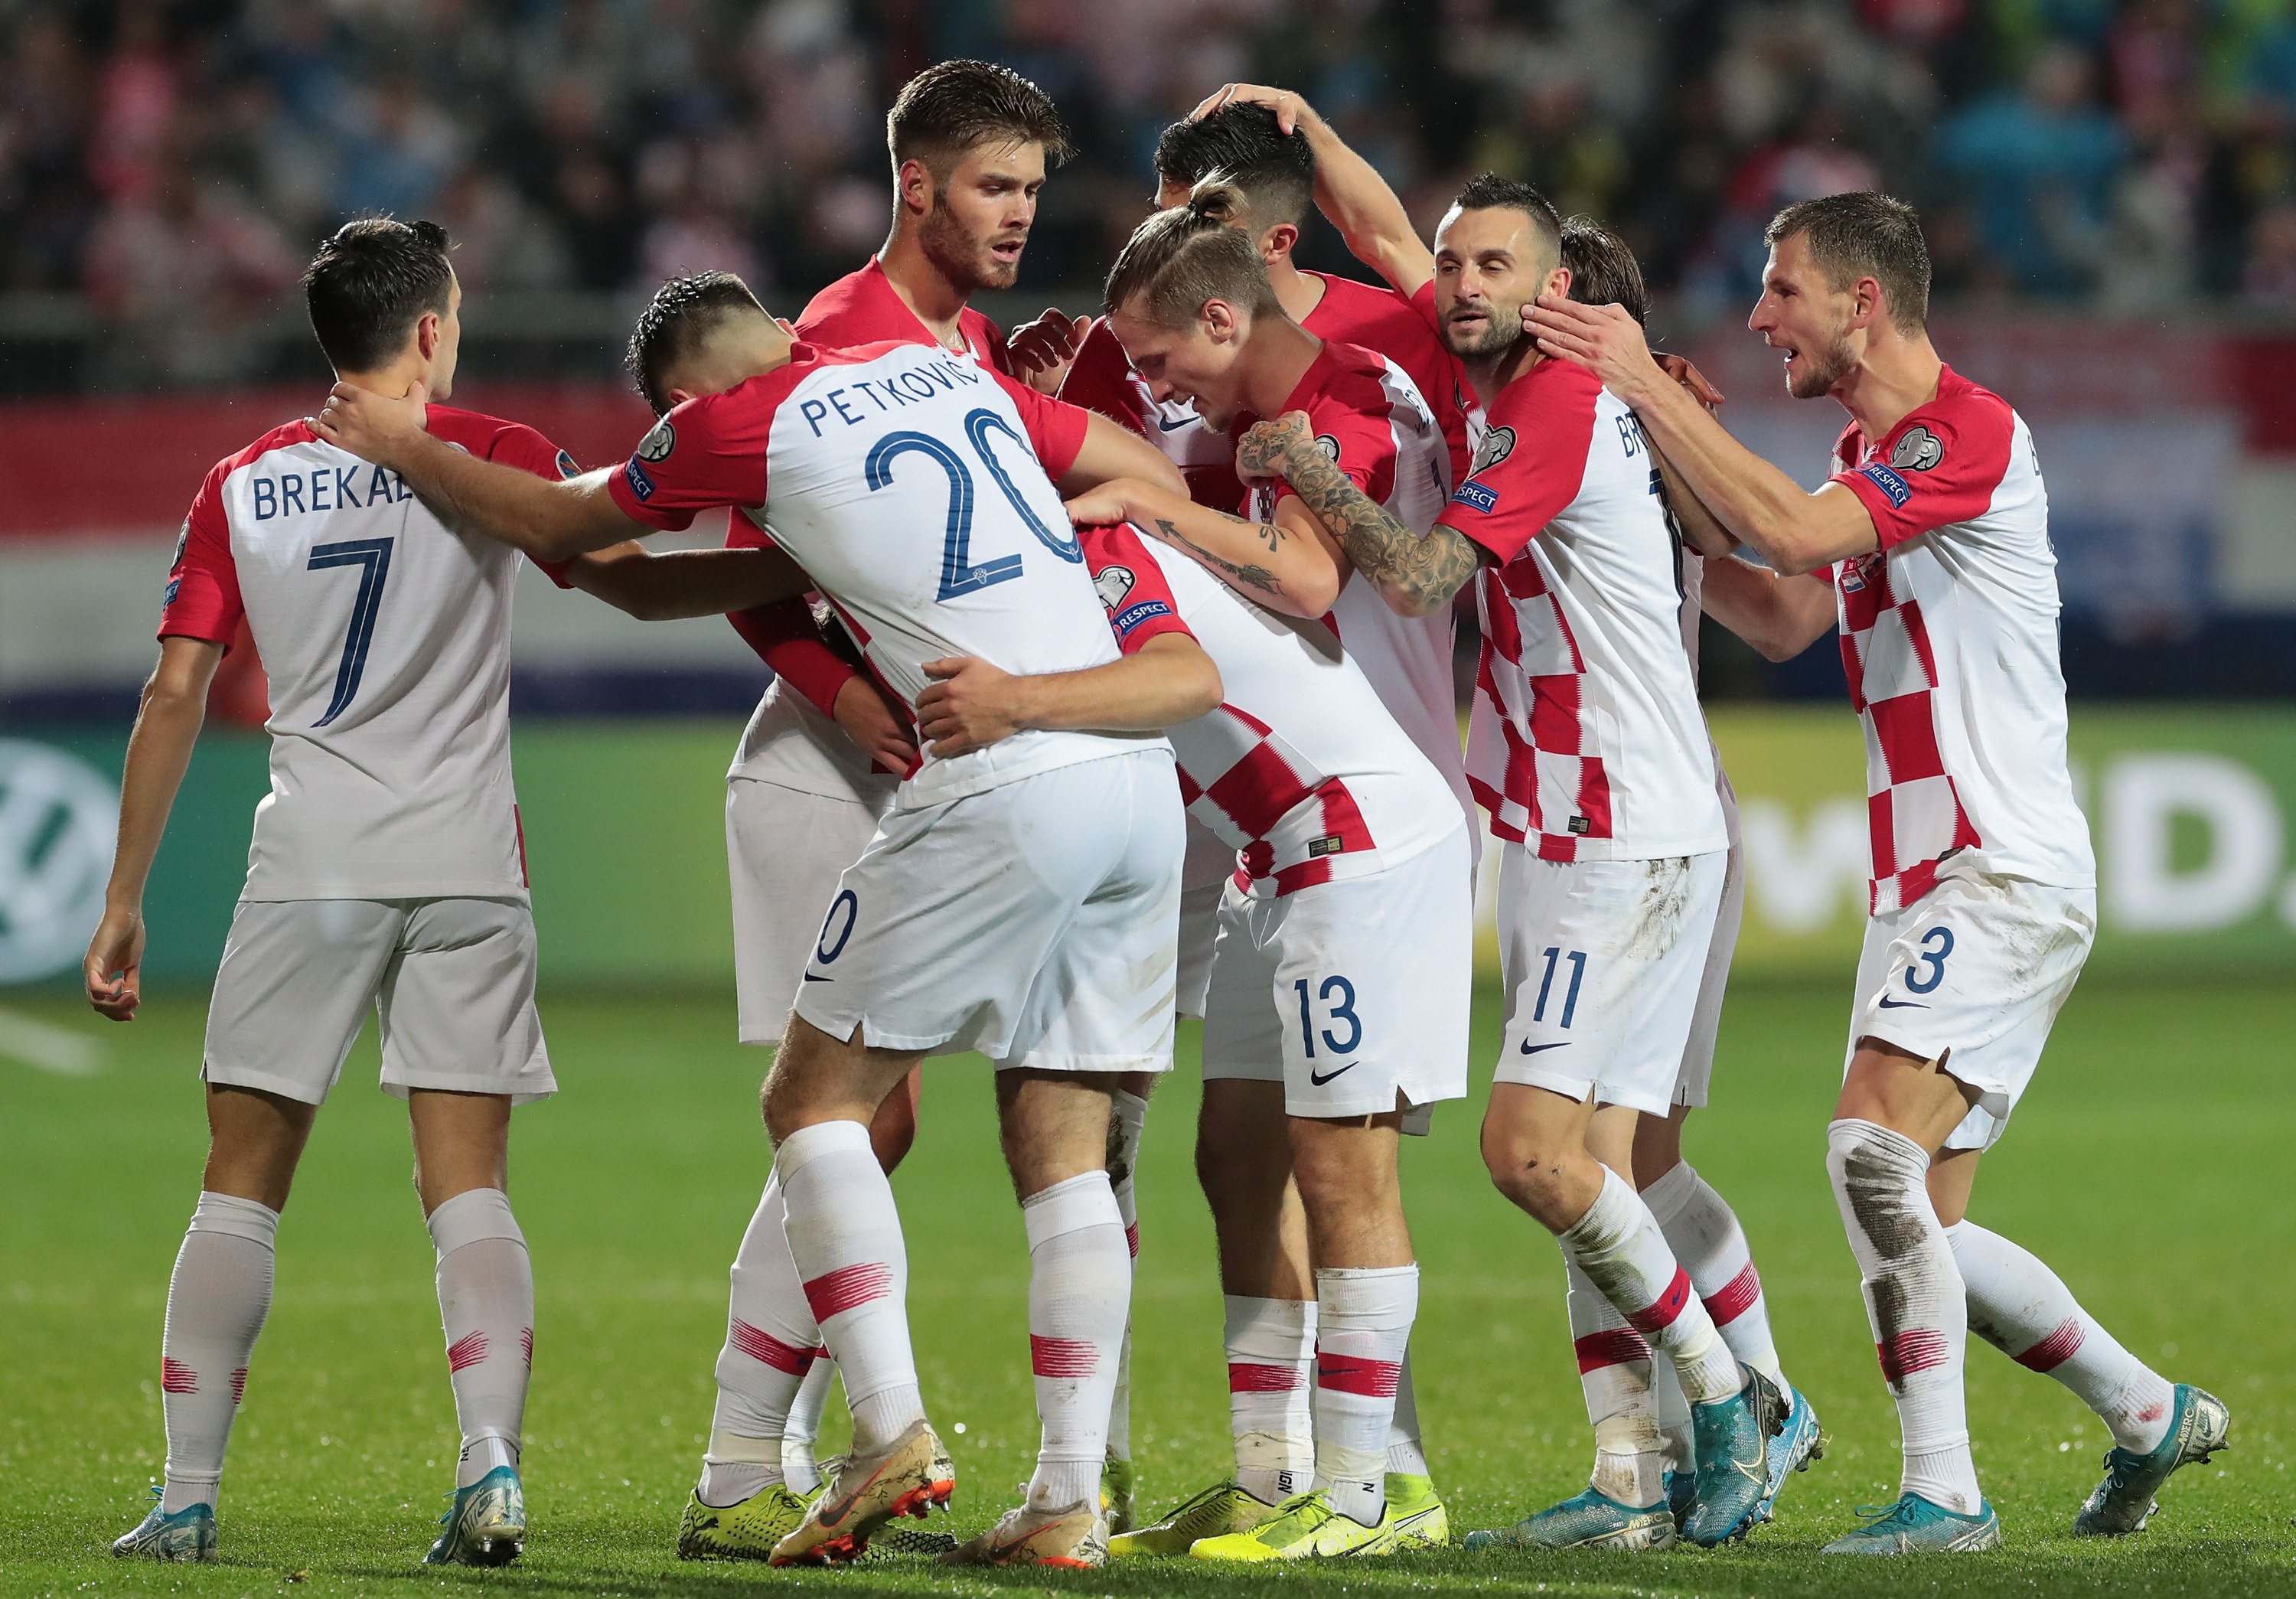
(1537, 438)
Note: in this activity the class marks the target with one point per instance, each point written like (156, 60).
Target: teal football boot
(487, 1525)
(1589, 1520)
(1917, 1526)
(1733, 1439)
(187, 1535)
(1798, 1443)
(2123, 1502)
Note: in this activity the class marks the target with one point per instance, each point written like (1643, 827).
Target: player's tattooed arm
(1265, 562)
(1415, 575)
(553, 521)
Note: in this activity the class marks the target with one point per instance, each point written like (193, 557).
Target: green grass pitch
(2150, 1165)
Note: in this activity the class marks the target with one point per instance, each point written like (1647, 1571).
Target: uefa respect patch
(1477, 496)
(1889, 482)
(641, 485)
(1132, 616)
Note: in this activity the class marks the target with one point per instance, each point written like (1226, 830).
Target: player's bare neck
(1297, 293)
(930, 297)
(393, 382)
(1280, 352)
(1491, 373)
(1897, 374)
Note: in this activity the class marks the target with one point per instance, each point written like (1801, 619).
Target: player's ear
(1220, 320)
(914, 183)
(1558, 282)
(429, 330)
(1864, 302)
(678, 397)
(1275, 244)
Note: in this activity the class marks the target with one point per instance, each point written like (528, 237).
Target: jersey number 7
(371, 556)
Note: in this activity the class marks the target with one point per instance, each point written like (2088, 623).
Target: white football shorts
(1353, 994)
(1604, 961)
(1036, 922)
(1697, 1074)
(1972, 975)
(1205, 872)
(450, 981)
(785, 849)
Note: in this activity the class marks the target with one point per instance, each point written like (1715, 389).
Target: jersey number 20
(371, 556)
(958, 575)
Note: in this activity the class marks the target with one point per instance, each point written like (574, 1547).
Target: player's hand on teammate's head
(114, 965)
(1264, 450)
(969, 706)
(1286, 105)
(1041, 350)
(372, 426)
(870, 721)
(1681, 370)
(1605, 339)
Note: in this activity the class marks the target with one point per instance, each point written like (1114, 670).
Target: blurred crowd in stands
(174, 162)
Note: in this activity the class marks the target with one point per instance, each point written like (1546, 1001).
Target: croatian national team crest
(1917, 449)
(1114, 583)
(655, 446)
(1497, 445)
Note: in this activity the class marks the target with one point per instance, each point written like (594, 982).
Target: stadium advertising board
(2193, 810)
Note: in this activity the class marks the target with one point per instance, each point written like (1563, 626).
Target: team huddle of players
(1112, 683)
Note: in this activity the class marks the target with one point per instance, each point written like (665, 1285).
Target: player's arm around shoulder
(1266, 562)
(158, 752)
(549, 519)
(1167, 680)
(676, 584)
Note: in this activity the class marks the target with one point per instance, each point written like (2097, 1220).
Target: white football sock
(1614, 1371)
(486, 1303)
(1915, 1302)
(1131, 1116)
(1362, 1326)
(1404, 1452)
(1080, 1294)
(2019, 1306)
(1704, 1234)
(844, 1232)
(1619, 1245)
(768, 1353)
(801, 1433)
(1675, 1429)
(216, 1300)
(1271, 1359)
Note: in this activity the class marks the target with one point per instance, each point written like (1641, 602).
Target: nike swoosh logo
(810, 978)
(1319, 1078)
(1173, 427)
(1889, 1004)
(1530, 1048)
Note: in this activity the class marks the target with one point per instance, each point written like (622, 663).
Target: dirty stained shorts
(1602, 962)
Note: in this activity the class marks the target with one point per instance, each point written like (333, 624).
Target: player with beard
(1929, 551)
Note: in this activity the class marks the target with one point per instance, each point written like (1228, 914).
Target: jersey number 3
(371, 556)
(958, 575)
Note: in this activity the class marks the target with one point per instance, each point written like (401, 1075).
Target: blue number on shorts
(958, 575)
(977, 426)
(371, 556)
(852, 907)
(1346, 1008)
(1936, 945)
(1577, 958)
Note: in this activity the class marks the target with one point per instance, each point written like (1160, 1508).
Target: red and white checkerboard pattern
(1528, 763)
(1912, 810)
(1239, 778)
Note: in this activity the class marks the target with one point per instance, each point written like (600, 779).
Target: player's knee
(1525, 1163)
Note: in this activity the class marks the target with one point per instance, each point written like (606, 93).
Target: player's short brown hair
(371, 284)
(683, 313)
(1242, 141)
(1487, 190)
(952, 106)
(1603, 272)
(1179, 259)
(1863, 234)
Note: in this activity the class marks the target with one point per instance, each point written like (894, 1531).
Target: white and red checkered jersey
(1370, 418)
(914, 487)
(1586, 739)
(1374, 317)
(385, 637)
(1300, 768)
(1949, 641)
